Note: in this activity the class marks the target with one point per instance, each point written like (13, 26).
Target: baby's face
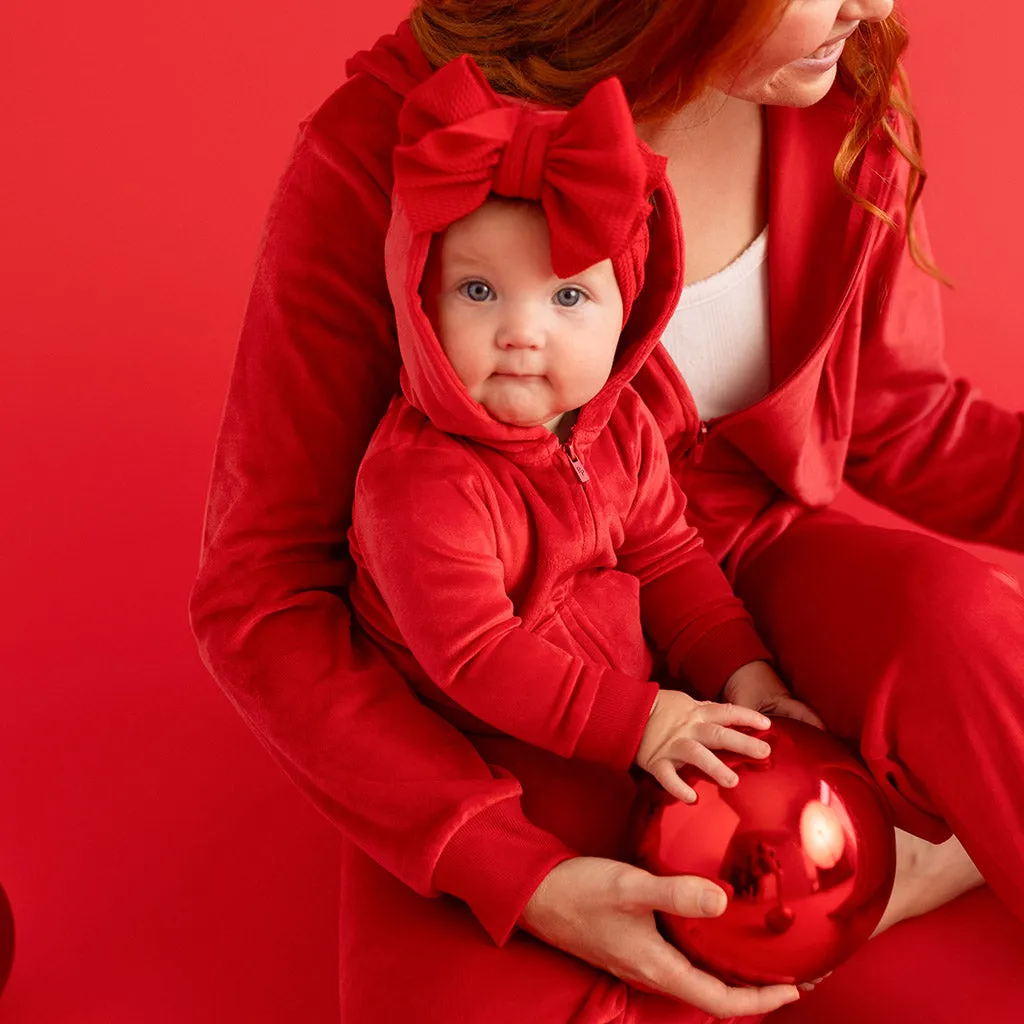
(528, 346)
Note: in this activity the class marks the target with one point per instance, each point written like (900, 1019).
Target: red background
(160, 866)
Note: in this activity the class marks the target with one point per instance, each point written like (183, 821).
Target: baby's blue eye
(477, 291)
(569, 296)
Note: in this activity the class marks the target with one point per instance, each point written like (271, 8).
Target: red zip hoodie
(860, 390)
(502, 570)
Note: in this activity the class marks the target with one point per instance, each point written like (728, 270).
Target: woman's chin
(789, 87)
(795, 88)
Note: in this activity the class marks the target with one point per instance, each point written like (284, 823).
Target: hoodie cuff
(494, 863)
(618, 717)
(726, 647)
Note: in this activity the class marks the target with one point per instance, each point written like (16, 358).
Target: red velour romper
(502, 570)
(900, 641)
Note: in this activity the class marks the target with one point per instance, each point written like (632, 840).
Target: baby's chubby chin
(518, 402)
(521, 414)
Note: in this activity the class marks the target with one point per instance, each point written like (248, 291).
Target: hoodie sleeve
(425, 532)
(315, 368)
(689, 609)
(924, 443)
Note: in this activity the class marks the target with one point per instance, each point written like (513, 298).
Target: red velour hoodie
(501, 569)
(860, 390)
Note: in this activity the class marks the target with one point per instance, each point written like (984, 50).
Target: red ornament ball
(803, 846)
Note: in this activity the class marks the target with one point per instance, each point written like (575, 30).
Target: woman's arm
(924, 443)
(426, 536)
(315, 368)
(689, 609)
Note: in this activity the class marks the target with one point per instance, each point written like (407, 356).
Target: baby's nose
(520, 335)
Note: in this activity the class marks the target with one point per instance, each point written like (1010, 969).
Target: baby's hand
(682, 730)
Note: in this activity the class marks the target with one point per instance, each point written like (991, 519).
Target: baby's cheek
(471, 370)
(588, 380)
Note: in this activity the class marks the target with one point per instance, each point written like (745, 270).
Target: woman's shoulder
(360, 118)
(358, 122)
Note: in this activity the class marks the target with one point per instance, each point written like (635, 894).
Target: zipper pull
(698, 444)
(576, 462)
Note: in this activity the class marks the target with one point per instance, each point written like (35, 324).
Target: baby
(520, 544)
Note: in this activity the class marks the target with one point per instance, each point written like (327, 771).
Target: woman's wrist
(495, 861)
(754, 676)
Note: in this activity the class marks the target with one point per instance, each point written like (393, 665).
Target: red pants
(917, 648)
(902, 641)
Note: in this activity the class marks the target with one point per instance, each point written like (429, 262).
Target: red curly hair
(666, 52)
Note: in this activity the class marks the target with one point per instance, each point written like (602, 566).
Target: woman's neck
(717, 166)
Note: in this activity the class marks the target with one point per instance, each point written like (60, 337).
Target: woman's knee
(947, 596)
(957, 629)
(853, 612)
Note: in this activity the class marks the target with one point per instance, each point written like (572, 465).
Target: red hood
(428, 381)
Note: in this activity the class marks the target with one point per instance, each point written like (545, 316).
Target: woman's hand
(757, 686)
(602, 911)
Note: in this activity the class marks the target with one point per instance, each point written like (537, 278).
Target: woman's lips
(816, 64)
(826, 50)
(827, 46)
(822, 52)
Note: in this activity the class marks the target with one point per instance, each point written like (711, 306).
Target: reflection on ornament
(822, 834)
(804, 846)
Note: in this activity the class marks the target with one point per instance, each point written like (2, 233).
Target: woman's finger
(668, 971)
(809, 986)
(790, 707)
(683, 895)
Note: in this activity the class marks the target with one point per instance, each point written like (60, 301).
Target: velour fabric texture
(860, 391)
(501, 569)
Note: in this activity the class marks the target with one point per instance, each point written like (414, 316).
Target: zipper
(575, 461)
(699, 442)
(581, 498)
(696, 449)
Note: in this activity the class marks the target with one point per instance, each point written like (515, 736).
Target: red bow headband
(586, 166)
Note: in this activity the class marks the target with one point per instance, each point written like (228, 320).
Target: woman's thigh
(905, 644)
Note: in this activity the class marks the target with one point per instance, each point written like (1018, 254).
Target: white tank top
(719, 334)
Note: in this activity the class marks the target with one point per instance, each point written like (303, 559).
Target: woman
(874, 629)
